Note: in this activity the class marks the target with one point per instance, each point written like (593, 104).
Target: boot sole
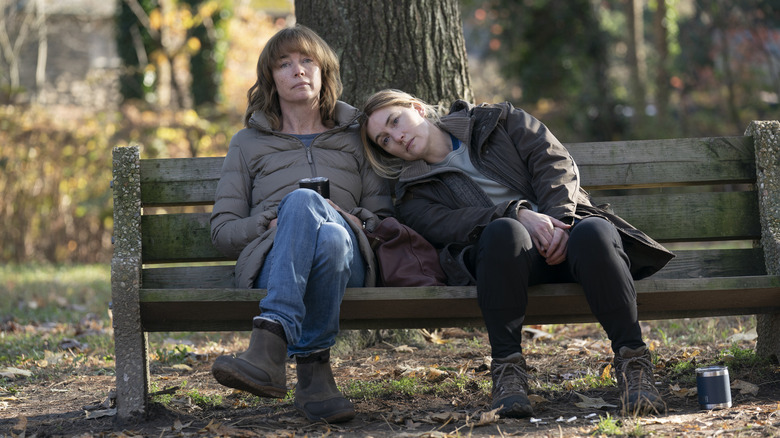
(517, 410)
(337, 417)
(228, 375)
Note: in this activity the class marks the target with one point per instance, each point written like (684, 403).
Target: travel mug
(319, 184)
(713, 386)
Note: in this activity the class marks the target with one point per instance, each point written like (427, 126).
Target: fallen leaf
(444, 417)
(683, 392)
(537, 399)
(91, 415)
(607, 373)
(749, 335)
(182, 367)
(745, 387)
(434, 337)
(672, 419)
(536, 333)
(178, 426)
(72, 344)
(11, 372)
(485, 418)
(592, 403)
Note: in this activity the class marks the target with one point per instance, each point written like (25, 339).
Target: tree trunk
(413, 45)
(43, 50)
(636, 55)
(662, 72)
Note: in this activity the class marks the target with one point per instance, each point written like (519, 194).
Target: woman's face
(298, 78)
(402, 131)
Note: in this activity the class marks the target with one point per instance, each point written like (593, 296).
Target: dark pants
(505, 263)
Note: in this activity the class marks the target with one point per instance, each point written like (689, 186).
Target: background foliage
(698, 69)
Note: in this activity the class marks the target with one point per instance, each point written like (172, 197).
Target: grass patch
(412, 386)
(608, 426)
(54, 294)
(698, 331)
(56, 319)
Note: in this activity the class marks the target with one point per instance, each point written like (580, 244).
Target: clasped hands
(549, 235)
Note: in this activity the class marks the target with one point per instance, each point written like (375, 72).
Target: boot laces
(510, 378)
(636, 373)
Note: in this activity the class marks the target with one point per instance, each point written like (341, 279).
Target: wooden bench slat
(687, 264)
(654, 163)
(231, 309)
(688, 216)
(714, 263)
(178, 237)
(631, 164)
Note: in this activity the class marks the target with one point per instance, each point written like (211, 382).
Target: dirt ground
(454, 368)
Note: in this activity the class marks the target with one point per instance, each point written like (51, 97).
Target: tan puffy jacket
(262, 166)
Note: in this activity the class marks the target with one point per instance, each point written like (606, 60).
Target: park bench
(714, 201)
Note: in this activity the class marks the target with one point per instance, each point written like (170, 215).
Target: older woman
(304, 249)
(501, 196)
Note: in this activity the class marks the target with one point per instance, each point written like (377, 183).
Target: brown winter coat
(262, 166)
(515, 149)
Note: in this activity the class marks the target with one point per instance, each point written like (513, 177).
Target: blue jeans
(314, 258)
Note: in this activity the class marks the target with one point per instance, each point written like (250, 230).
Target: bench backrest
(695, 195)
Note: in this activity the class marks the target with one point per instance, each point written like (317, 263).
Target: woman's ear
(419, 108)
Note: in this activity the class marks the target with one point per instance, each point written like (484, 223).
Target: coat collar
(346, 115)
(470, 124)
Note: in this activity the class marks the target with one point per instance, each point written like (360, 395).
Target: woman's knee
(301, 197)
(505, 236)
(334, 241)
(594, 234)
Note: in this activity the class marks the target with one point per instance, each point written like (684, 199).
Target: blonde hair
(383, 163)
(263, 95)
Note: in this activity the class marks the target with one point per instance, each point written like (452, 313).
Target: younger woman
(501, 196)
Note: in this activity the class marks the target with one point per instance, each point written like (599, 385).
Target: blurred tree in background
(591, 70)
(172, 50)
(412, 45)
(611, 69)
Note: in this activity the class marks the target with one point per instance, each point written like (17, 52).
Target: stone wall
(82, 65)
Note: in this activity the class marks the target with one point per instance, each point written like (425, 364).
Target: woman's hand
(548, 234)
(351, 217)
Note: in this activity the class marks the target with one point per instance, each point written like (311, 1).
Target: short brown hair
(263, 95)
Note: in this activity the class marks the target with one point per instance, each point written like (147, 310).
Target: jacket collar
(468, 123)
(346, 115)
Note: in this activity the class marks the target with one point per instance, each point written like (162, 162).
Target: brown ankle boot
(633, 370)
(316, 394)
(259, 370)
(510, 386)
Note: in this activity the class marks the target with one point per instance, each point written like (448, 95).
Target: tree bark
(636, 55)
(413, 45)
(662, 71)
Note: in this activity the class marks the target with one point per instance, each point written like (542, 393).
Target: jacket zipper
(310, 159)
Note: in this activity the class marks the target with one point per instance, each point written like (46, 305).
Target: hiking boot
(510, 386)
(634, 373)
(259, 370)
(316, 394)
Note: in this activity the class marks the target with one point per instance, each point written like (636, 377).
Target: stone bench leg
(130, 346)
(766, 140)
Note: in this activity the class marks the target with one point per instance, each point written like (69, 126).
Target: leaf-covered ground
(432, 385)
